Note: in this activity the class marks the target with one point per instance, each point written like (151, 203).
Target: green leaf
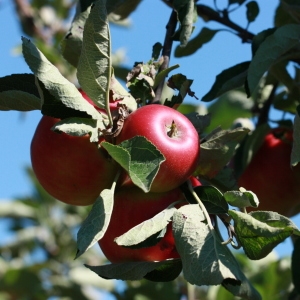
(212, 198)
(156, 50)
(252, 11)
(72, 43)
(229, 79)
(119, 92)
(19, 92)
(225, 180)
(96, 223)
(94, 66)
(270, 52)
(129, 270)
(166, 272)
(217, 151)
(200, 122)
(249, 147)
(259, 38)
(295, 156)
(162, 74)
(186, 15)
(241, 198)
(203, 37)
(79, 127)
(230, 106)
(260, 232)
(146, 229)
(245, 290)
(205, 260)
(288, 11)
(181, 83)
(56, 85)
(56, 108)
(139, 157)
(18, 100)
(19, 82)
(122, 9)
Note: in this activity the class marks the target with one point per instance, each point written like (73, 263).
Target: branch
(208, 14)
(166, 53)
(223, 19)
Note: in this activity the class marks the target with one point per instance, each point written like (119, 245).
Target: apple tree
(169, 190)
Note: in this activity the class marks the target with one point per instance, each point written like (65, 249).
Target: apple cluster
(75, 171)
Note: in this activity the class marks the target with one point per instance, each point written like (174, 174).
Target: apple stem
(173, 130)
(207, 217)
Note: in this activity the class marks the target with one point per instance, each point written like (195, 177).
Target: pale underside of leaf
(54, 82)
(79, 127)
(94, 226)
(259, 232)
(94, 66)
(241, 198)
(146, 229)
(204, 259)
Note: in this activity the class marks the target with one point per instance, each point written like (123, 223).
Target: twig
(221, 17)
(264, 112)
(231, 232)
(166, 53)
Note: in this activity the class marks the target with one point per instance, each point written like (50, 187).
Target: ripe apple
(70, 168)
(270, 176)
(173, 135)
(131, 207)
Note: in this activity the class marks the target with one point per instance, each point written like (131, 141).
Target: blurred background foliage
(37, 260)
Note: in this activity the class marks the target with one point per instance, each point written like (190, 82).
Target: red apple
(70, 168)
(131, 207)
(173, 135)
(270, 176)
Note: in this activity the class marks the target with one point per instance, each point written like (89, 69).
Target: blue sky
(148, 27)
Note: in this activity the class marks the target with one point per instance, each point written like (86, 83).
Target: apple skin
(270, 176)
(131, 207)
(181, 150)
(195, 181)
(70, 168)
